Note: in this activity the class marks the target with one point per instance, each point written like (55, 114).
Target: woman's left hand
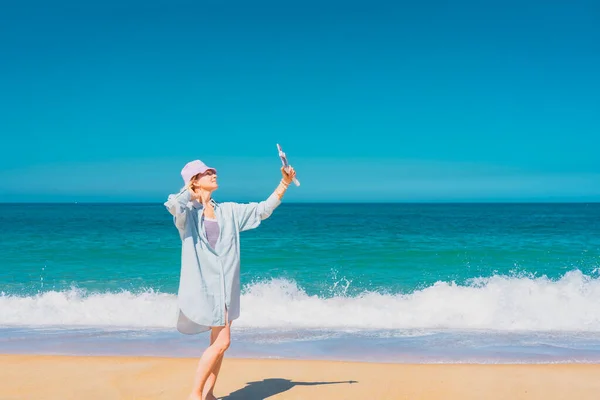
(289, 175)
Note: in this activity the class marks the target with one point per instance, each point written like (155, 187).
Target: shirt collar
(199, 205)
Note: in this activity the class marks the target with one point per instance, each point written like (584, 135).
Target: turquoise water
(430, 282)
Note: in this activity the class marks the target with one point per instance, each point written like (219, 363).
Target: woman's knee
(222, 343)
(227, 343)
(223, 339)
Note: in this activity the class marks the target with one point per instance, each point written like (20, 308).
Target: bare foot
(194, 396)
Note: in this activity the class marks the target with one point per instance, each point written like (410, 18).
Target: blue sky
(372, 101)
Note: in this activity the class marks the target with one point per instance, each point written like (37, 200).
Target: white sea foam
(500, 303)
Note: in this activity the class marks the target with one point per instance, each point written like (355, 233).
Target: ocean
(424, 283)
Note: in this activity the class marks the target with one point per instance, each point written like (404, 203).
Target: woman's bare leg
(209, 386)
(209, 359)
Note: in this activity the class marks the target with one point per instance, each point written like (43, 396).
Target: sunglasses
(210, 172)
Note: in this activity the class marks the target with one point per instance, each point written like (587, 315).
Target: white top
(210, 275)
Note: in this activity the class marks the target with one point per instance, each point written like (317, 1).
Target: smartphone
(283, 157)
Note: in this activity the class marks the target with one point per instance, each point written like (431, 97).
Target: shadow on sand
(260, 390)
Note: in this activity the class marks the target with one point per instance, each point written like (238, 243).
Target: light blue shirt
(210, 277)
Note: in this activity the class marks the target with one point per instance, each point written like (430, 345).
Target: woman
(209, 285)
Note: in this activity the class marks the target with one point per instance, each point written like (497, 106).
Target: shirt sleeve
(249, 216)
(177, 206)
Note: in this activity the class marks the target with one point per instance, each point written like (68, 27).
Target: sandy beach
(78, 377)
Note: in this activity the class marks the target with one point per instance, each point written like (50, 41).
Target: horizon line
(313, 202)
